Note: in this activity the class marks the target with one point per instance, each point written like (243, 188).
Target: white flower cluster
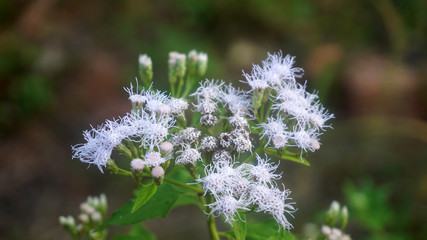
(147, 124)
(298, 117)
(334, 233)
(246, 187)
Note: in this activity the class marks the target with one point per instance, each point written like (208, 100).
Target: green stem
(180, 85)
(188, 86)
(213, 232)
(183, 185)
(172, 89)
(262, 112)
(268, 109)
(258, 150)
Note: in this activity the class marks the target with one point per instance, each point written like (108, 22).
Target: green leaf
(240, 227)
(287, 156)
(143, 195)
(267, 230)
(136, 233)
(159, 205)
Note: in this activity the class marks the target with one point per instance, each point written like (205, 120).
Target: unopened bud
(202, 64)
(257, 98)
(177, 66)
(96, 216)
(344, 217)
(86, 208)
(84, 218)
(166, 147)
(158, 174)
(192, 62)
(68, 224)
(145, 69)
(332, 214)
(137, 165)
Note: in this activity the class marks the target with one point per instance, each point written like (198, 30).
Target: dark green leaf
(143, 195)
(138, 232)
(267, 230)
(159, 205)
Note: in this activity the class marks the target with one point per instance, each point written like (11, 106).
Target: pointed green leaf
(143, 195)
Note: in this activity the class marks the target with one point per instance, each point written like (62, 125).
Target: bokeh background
(63, 65)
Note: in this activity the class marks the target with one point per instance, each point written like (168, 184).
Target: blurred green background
(63, 65)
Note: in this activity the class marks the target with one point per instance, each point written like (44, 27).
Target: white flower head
(156, 102)
(153, 158)
(177, 106)
(236, 100)
(228, 206)
(263, 172)
(273, 201)
(209, 89)
(257, 79)
(306, 140)
(100, 143)
(274, 131)
(137, 97)
(281, 68)
(188, 156)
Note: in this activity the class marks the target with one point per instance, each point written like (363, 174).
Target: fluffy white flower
(280, 69)
(188, 156)
(209, 89)
(306, 140)
(156, 102)
(263, 172)
(273, 201)
(137, 98)
(274, 131)
(154, 159)
(100, 143)
(228, 206)
(236, 100)
(177, 105)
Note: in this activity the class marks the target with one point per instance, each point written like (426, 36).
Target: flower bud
(192, 62)
(344, 217)
(96, 216)
(332, 214)
(84, 218)
(145, 69)
(202, 64)
(158, 174)
(137, 165)
(257, 98)
(166, 147)
(68, 224)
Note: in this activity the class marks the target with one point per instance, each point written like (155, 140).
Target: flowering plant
(215, 152)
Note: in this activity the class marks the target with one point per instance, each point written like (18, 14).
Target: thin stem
(180, 85)
(250, 158)
(268, 110)
(262, 112)
(183, 185)
(123, 172)
(213, 232)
